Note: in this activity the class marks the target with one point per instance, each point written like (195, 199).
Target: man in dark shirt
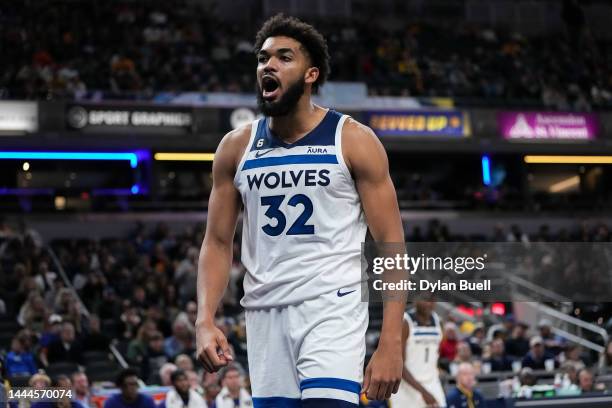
(95, 340)
(129, 397)
(518, 344)
(499, 361)
(537, 356)
(67, 349)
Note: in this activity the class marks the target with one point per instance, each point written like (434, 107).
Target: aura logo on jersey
(289, 179)
(316, 150)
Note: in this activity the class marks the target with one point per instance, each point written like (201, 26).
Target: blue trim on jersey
(425, 333)
(293, 159)
(277, 402)
(333, 383)
(324, 134)
(327, 403)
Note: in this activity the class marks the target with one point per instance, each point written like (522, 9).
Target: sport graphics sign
(129, 118)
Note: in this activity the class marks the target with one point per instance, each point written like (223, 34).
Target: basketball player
(421, 336)
(308, 178)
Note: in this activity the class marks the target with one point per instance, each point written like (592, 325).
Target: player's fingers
(205, 362)
(396, 387)
(373, 389)
(217, 361)
(389, 390)
(366, 380)
(225, 348)
(384, 391)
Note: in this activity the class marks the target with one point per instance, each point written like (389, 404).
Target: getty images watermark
(488, 271)
(411, 265)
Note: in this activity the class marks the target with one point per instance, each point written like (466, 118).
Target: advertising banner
(434, 123)
(128, 118)
(542, 126)
(18, 117)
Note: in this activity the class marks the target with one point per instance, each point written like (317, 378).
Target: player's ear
(311, 75)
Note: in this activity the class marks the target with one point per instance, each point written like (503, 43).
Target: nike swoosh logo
(258, 153)
(340, 294)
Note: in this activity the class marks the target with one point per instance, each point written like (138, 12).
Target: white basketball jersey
(422, 348)
(303, 223)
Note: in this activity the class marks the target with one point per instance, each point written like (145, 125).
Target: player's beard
(285, 104)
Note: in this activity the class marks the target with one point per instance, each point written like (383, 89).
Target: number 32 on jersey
(300, 225)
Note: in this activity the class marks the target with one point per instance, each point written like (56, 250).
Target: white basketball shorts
(314, 349)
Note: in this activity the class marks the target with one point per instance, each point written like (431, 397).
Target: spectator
(517, 345)
(44, 277)
(95, 340)
(553, 343)
(605, 360)
(448, 345)
(499, 361)
(129, 397)
(39, 381)
(67, 348)
(527, 380)
(181, 340)
(194, 381)
(189, 315)
(52, 331)
(464, 394)
(184, 362)
(165, 372)
(586, 381)
(19, 361)
(568, 370)
(537, 356)
(233, 394)
(501, 330)
(211, 391)
(464, 355)
(137, 347)
(80, 388)
(181, 395)
(63, 381)
(33, 313)
(154, 358)
(476, 340)
(571, 355)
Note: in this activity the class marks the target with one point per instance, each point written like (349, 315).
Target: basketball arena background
(496, 116)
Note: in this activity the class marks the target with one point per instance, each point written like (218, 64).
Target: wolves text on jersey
(289, 178)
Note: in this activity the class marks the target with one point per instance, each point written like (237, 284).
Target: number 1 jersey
(303, 223)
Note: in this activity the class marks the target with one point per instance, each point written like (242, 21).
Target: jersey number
(426, 354)
(299, 227)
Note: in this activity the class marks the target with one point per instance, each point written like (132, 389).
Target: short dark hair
(227, 369)
(123, 374)
(311, 40)
(176, 374)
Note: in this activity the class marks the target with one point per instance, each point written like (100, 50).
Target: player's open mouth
(270, 87)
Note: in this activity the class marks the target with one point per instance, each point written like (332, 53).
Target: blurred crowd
(139, 48)
(138, 294)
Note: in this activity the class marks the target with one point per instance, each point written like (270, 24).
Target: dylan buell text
(433, 286)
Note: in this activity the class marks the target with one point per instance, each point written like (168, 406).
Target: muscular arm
(367, 161)
(216, 253)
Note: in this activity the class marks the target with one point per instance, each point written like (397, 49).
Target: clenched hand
(212, 348)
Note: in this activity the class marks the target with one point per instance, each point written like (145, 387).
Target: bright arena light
(167, 156)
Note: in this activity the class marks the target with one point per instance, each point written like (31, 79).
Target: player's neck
(299, 122)
(423, 318)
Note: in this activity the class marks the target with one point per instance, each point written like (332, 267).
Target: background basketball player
(421, 336)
